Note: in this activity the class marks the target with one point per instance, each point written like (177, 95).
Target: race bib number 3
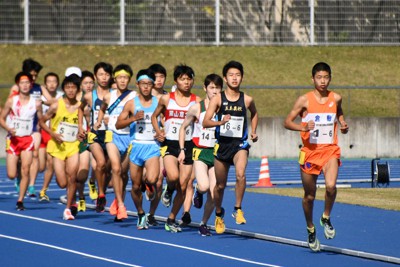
(233, 128)
(23, 127)
(68, 131)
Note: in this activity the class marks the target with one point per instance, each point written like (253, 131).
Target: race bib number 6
(23, 127)
(68, 131)
(233, 128)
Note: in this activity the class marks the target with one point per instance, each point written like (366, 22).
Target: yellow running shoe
(92, 190)
(43, 196)
(82, 205)
(239, 216)
(219, 223)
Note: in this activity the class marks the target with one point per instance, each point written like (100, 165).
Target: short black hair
(29, 65)
(183, 69)
(214, 78)
(71, 79)
(232, 65)
(107, 67)
(321, 66)
(51, 74)
(158, 68)
(87, 73)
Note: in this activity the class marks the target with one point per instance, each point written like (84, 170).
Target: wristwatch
(183, 149)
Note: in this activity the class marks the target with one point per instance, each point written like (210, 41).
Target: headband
(116, 74)
(24, 77)
(144, 76)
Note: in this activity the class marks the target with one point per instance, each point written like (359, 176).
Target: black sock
(237, 208)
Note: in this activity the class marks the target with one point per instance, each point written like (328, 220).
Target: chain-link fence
(208, 22)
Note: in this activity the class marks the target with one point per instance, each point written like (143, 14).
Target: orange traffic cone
(264, 179)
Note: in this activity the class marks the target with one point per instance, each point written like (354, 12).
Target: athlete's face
(160, 81)
(212, 90)
(321, 80)
(24, 86)
(233, 78)
(103, 77)
(51, 83)
(184, 83)
(70, 90)
(145, 87)
(122, 81)
(87, 84)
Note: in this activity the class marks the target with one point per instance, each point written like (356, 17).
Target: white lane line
(139, 239)
(68, 250)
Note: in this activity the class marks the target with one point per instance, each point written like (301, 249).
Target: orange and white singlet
(324, 116)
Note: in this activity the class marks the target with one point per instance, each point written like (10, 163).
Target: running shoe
(43, 196)
(82, 205)
(122, 214)
(17, 182)
(151, 192)
(329, 231)
(239, 216)
(313, 242)
(151, 220)
(67, 215)
(114, 207)
(92, 190)
(197, 198)
(20, 206)
(142, 222)
(100, 204)
(31, 191)
(117, 220)
(172, 226)
(204, 230)
(166, 197)
(219, 223)
(74, 210)
(186, 219)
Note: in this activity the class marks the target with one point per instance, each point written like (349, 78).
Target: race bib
(322, 133)
(233, 128)
(23, 127)
(68, 131)
(144, 130)
(96, 115)
(173, 131)
(207, 137)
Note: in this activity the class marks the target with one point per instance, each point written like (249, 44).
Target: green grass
(264, 66)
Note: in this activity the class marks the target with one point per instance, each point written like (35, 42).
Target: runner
(319, 110)
(232, 147)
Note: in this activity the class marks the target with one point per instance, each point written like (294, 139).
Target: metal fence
(208, 22)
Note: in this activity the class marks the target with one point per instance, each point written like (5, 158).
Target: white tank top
(113, 116)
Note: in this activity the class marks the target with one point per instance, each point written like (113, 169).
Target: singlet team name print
(324, 128)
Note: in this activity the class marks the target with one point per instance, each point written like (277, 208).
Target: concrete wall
(367, 138)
